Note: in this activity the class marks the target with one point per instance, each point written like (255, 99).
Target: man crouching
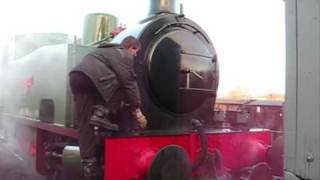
(102, 82)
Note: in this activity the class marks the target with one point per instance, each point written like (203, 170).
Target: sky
(249, 35)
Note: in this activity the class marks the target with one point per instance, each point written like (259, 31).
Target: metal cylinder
(72, 162)
(158, 6)
(97, 26)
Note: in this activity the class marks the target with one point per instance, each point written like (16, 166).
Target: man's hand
(117, 30)
(140, 118)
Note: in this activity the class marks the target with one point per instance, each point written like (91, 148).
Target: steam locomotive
(177, 73)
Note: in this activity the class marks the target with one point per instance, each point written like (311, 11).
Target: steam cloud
(15, 160)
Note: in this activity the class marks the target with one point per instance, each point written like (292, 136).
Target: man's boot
(101, 118)
(91, 169)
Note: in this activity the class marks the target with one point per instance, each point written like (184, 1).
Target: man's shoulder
(109, 45)
(114, 52)
(109, 48)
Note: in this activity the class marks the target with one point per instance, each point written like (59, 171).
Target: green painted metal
(42, 75)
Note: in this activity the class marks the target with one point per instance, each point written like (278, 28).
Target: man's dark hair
(131, 42)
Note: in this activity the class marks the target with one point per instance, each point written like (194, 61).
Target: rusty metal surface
(259, 113)
(55, 128)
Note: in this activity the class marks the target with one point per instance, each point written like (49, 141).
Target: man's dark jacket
(111, 70)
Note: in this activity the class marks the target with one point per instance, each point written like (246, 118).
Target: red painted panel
(129, 158)
(240, 149)
(124, 156)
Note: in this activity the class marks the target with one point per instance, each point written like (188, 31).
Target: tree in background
(272, 97)
(239, 93)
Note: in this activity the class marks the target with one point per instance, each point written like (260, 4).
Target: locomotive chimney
(159, 6)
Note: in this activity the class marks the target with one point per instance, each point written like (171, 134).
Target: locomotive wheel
(170, 163)
(261, 171)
